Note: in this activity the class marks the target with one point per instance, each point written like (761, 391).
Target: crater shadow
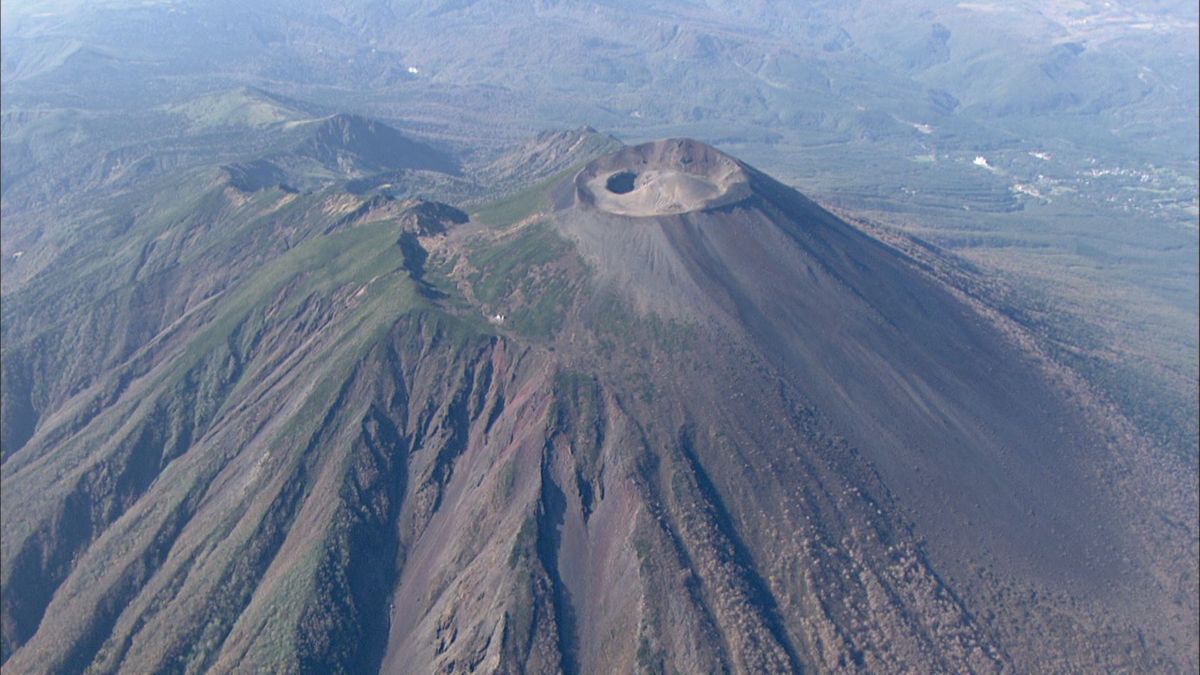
(621, 182)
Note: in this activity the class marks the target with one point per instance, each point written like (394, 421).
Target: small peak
(425, 217)
(253, 176)
(367, 145)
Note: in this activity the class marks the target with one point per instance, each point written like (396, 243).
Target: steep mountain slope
(356, 146)
(656, 413)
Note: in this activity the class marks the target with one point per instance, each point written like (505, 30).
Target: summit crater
(662, 177)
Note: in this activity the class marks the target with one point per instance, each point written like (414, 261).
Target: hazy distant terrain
(339, 338)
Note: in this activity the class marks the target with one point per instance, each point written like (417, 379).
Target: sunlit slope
(331, 431)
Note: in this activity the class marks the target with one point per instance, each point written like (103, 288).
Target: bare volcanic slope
(669, 415)
(990, 455)
(963, 426)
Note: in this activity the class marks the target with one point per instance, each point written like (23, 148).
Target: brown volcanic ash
(753, 440)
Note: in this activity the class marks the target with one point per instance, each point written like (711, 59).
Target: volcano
(658, 413)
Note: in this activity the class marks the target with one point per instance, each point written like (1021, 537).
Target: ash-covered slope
(964, 426)
(680, 420)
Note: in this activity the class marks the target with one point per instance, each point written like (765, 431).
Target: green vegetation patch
(523, 204)
(513, 209)
(617, 326)
(527, 276)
